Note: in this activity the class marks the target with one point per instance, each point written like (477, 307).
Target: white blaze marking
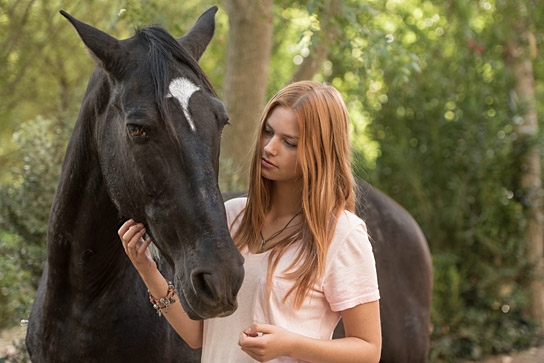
(182, 89)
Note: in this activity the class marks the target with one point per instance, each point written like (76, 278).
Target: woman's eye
(290, 144)
(137, 131)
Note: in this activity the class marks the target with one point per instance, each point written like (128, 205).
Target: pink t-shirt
(349, 280)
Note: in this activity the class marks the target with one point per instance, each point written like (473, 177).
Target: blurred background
(445, 98)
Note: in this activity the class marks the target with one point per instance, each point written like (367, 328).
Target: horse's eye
(137, 131)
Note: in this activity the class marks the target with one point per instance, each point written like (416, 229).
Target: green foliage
(16, 288)
(449, 154)
(39, 76)
(26, 201)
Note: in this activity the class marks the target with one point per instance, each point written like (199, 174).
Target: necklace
(263, 241)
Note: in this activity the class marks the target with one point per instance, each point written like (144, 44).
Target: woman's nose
(270, 147)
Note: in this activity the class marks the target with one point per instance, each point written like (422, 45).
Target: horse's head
(156, 125)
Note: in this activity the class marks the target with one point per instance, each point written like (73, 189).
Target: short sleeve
(233, 207)
(350, 275)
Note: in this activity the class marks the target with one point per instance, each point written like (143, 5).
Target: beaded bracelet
(162, 304)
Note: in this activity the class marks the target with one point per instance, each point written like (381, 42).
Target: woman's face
(279, 141)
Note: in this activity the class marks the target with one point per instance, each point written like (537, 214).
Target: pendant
(261, 250)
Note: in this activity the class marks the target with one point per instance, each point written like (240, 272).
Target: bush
(26, 201)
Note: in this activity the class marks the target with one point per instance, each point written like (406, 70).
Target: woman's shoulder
(349, 220)
(236, 202)
(350, 230)
(234, 206)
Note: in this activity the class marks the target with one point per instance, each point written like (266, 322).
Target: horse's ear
(198, 38)
(105, 49)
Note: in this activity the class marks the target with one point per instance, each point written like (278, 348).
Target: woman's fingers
(124, 228)
(145, 244)
(134, 234)
(135, 244)
(131, 234)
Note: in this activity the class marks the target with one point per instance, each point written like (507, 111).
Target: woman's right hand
(136, 248)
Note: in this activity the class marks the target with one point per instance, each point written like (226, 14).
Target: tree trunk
(244, 91)
(321, 40)
(520, 50)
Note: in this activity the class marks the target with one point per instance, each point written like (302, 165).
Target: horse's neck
(83, 220)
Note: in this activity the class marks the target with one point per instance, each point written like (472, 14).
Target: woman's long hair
(324, 154)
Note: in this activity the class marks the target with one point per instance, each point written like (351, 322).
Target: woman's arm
(362, 343)
(136, 248)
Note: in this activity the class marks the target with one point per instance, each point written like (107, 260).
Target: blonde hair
(324, 154)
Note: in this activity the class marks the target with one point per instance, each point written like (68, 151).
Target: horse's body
(146, 146)
(404, 267)
(140, 149)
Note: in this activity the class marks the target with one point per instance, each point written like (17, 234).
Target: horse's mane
(163, 51)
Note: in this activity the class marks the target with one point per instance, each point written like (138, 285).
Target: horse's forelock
(163, 52)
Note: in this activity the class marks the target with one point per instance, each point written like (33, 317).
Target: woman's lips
(267, 164)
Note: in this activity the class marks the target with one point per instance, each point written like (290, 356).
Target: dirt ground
(11, 339)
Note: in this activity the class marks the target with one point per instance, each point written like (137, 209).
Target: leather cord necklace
(264, 241)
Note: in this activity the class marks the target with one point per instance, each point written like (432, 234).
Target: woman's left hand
(264, 342)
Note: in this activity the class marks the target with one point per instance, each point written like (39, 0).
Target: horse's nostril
(206, 285)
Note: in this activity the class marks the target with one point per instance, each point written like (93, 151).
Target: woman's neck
(285, 199)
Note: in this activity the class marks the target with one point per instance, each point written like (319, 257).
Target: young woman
(308, 259)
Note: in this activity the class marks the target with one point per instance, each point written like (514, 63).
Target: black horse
(141, 149)
(145, 145)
